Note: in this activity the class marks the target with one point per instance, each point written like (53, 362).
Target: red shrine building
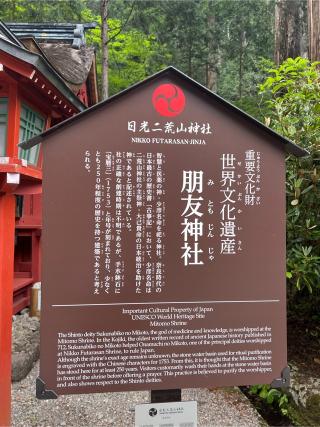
(47, 74)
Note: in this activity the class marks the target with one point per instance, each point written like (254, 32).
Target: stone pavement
(218, 407)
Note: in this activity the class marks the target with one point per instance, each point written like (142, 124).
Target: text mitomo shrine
(163, 244)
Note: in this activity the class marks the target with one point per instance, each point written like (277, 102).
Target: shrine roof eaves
(44, 67)
(71, 33)
(8, 35)
(288, 145)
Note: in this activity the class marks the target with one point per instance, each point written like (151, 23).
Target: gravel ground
(220, 407)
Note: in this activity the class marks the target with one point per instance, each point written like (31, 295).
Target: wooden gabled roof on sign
(288, 145)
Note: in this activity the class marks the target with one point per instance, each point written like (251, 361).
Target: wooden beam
(9, 182)
(14, 166)
(39, 100)
(17, 66)
(28, 189)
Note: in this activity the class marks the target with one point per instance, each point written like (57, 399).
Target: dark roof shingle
(72, 64)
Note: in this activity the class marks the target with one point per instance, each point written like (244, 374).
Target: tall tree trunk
(243, 45)
(277, 30)
(314, 29)
(288, 29)
(213, 57)
(190, 54)
(104, 49)
(212, 74)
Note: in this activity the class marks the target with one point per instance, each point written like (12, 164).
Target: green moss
(309, 416)
(313, 407)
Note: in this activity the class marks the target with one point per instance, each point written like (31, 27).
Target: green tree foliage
(293, 99)
(217, 42)
(41, 10)
(224, 37)
(133, 55)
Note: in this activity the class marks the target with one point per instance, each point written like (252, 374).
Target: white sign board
(171, 414)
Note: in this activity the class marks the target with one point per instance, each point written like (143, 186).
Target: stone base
(25, 344)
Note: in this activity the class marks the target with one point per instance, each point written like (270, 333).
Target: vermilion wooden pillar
(13, 121)
(7, 226)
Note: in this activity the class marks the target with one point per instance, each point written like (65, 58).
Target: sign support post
(7, 224)
(162, 396)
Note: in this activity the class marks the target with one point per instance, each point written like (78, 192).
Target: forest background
(258, 54)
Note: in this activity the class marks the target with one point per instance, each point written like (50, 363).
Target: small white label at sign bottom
(171, 414)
